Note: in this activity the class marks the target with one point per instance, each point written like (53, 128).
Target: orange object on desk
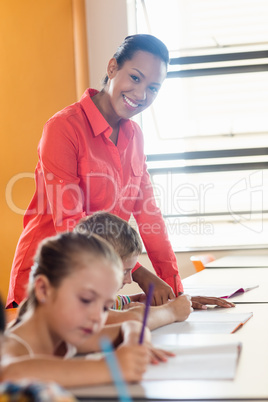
(199, 261)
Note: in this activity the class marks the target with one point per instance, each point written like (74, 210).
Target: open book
(224, 291)
(200, 362)
(205, 322)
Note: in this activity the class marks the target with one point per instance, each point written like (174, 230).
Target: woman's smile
(130, 103)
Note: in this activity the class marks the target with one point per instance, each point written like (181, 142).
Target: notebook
(205, 322)
(223, 291)
(200, 362)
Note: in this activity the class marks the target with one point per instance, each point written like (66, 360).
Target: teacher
(91, 158)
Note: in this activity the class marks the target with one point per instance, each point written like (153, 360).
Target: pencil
(176, 285)
(114, 368)
(146, 311)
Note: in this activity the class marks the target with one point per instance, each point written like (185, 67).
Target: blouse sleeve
(58, 153)
(154, 234)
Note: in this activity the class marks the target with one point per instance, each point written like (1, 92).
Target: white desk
(251, 377)
(234, 276)
(239, 261)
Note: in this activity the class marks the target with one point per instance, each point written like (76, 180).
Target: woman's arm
(58, 153)
(154, 234)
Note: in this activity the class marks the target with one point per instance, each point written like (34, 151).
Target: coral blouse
(81, 171)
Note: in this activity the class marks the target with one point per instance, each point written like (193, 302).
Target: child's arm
(126, 333)
(133, 361)
(133, 313)
(175, 310)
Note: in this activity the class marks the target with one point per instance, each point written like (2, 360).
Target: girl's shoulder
(15, 346)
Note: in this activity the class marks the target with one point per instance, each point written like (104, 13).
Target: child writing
(127, 244)
(72, 287)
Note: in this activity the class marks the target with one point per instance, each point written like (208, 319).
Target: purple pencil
(146, 311)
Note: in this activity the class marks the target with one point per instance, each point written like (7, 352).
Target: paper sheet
(206, 322)
(209, 362)
(223, 291)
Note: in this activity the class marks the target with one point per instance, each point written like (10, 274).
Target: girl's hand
(181, 307)
(159, 355)
(199, 302)
(133, 361)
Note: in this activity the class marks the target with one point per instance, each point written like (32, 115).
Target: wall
(106, 29)
(37, 79)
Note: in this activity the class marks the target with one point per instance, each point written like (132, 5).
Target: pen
(175, 285)
(146, 311)
(114, 368)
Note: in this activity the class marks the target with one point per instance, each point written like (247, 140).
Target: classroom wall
(37, 73)
(107, 26)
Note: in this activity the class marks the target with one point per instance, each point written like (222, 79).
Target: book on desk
(223, 291)
(210, 321)
(198, 362)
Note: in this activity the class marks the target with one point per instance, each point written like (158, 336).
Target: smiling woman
(91, 158)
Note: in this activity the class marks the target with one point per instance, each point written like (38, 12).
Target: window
(206, 135)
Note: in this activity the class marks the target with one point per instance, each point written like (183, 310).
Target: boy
(127, 244)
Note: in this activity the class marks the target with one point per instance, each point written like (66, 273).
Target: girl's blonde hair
(59, 255)
(115, 230)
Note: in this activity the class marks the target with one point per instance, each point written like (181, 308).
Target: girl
(127, 244)
(91, 158)
(72, 286)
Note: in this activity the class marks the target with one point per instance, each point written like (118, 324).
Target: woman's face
(134, 86)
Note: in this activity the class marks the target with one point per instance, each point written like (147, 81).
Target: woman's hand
(162, 291)
(200, 302)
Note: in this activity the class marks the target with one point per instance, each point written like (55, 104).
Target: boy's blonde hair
(123, 237)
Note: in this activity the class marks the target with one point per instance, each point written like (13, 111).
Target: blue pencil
(146, 311)
(114, 368)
